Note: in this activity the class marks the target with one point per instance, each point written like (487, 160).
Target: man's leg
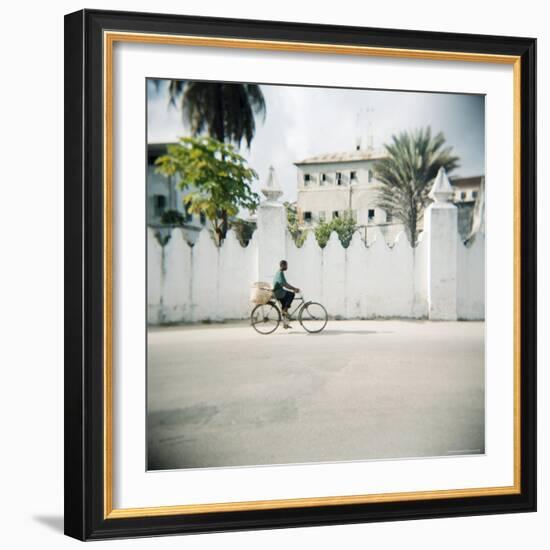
(290, 298)
(285, 303)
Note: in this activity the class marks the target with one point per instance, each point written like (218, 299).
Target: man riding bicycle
(284, 296)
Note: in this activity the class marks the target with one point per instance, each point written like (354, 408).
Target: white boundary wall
(209, 283)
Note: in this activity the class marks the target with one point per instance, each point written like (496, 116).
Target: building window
(369, 175)
(335, 214)
(353, 176)
(159, 204)
(307, 217)
(474, 194)
(463, 195)
(203, 218)
(323, 178)
(307, 179)
(370, 214)
(322, 216)
(338, 178)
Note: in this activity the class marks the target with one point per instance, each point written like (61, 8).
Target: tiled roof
(348, 156)
(465, 182)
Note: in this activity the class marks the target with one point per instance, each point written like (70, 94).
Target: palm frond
(407, 172)
(225, 111)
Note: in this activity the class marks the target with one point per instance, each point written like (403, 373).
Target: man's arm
(288, 286)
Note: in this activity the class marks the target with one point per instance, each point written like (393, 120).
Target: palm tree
(407, 172)
(225, 111)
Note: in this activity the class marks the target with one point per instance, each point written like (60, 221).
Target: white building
(468, 197)
(338, 184)
(466, 189)
(163, 195)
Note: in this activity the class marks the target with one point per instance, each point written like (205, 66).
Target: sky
(305, 121)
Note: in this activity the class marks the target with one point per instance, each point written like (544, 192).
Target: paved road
(222, 395)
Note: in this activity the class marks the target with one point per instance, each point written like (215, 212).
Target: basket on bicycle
(260, 293)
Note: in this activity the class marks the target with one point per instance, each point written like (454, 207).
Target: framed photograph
(300, 274)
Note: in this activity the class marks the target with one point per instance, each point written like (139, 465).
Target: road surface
(223, 395)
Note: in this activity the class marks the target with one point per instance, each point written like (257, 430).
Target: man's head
(283, 265)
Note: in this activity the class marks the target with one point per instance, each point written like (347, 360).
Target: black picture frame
(84, 281)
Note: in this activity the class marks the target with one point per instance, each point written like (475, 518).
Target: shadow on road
(329, 332)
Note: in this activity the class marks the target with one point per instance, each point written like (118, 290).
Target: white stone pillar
(441, 233)
(271, 230)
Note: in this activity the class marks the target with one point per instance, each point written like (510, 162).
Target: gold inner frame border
(109, 39)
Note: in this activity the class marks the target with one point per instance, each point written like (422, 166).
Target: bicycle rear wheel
(313, 317)
(265, 318)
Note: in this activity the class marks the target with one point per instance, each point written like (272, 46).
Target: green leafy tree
(224, 111)
(407, 174)
(297, 234)
(344, 227)
(218, 178)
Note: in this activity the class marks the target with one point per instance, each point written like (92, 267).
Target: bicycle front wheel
(313, 317)
(265, 318)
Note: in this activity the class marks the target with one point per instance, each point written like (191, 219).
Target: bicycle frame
(300, 305)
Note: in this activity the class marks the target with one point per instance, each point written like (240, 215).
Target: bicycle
(265, 318)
